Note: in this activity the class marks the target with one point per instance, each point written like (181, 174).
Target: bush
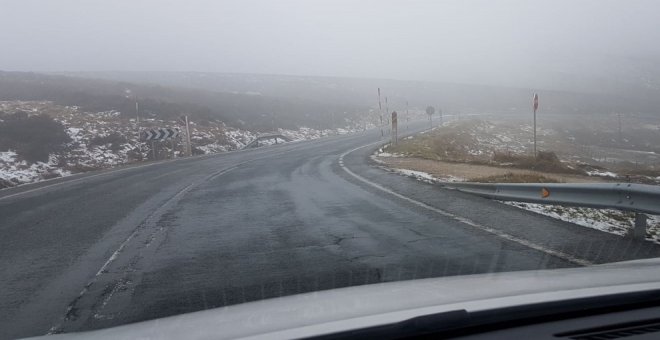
(33, 138)
(545, 161)
(115, 140)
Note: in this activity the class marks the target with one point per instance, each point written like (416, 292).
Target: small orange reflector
(545, 192)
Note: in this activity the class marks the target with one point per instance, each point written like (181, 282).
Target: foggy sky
(520, 43)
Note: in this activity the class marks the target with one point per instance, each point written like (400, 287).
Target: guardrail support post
(639, 231)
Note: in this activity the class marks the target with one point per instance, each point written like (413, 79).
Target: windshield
(165, 157)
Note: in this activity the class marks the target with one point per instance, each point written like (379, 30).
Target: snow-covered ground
(420, 175)
(102, 140)
(602, 173)
(606, 220)
(13, 171)
(426, 177)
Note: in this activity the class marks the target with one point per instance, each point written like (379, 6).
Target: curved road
(108, 248)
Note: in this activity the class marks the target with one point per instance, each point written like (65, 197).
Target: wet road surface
(153, 240)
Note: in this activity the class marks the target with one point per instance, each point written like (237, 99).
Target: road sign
(159, 134)
(536, 102)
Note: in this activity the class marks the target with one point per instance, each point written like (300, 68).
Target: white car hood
(370, 305)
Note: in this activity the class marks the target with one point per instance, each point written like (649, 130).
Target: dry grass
(511, 177)
(451, 144)
(455, 146)
(442, 170)
(546, 161)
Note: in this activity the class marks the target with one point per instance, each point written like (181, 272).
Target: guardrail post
(639, 231)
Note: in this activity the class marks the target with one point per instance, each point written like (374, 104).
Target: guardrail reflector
(545, 192)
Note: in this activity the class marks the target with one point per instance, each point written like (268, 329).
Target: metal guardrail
(638, 198)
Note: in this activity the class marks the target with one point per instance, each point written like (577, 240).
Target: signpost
(395, 129)
(380, 113)
(160, 134)
(535, 105)
(387, 109)
(430, 110)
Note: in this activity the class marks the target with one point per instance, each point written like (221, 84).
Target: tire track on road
(107, 284)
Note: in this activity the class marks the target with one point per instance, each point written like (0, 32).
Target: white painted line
(498, 233)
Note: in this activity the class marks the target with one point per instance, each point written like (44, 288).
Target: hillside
(241, 110)
(605, 94)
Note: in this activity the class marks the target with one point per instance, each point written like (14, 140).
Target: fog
(513, 43)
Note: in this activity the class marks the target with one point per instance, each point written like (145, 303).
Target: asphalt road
(148, 241)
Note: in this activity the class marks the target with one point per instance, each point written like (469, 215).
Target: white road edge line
(500, 234)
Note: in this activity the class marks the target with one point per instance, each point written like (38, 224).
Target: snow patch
(420, 175)
(599, 173)
(606, 220)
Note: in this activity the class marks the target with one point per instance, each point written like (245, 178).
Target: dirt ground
(440, 169)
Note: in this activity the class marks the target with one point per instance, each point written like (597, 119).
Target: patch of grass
(546, 161)
(633, 169)
(452, 144)
(511, 177)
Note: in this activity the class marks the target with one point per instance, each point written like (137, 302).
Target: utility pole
(153, 149)
(440, 112)
(332, 122)
(189, 148)
(407, 115)
(395, 128)
(172, 147)
(380, 113)
(188, 137)
(137, 126)
(535, 105)
(387, 111)
(272, 117)
(620, 132)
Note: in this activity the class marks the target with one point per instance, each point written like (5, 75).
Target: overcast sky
(508, 42)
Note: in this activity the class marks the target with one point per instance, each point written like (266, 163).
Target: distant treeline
(254, 112)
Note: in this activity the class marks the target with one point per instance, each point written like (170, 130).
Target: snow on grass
(86, 152)
(381, 153)
(599, 173)
(426, 177)
(607, 220)
(14, 172)
(420, 175)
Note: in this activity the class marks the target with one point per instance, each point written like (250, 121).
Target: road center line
(498, 233)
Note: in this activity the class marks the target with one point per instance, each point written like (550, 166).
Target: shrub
(115, 140)
(545, 161)
(33, 138)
